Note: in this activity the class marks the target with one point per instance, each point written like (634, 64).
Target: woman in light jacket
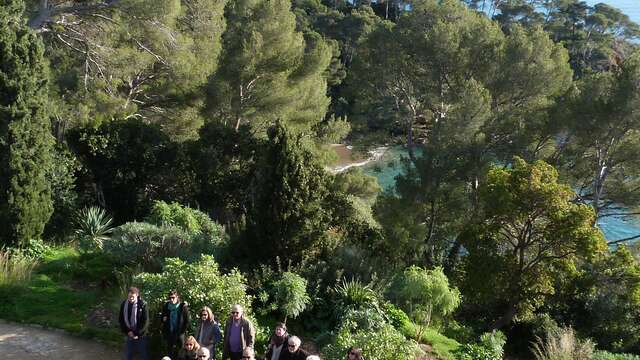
(208, 333)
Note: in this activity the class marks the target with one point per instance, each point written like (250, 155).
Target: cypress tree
(25, 140)
(288, 216)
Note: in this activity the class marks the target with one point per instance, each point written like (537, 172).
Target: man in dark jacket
(294, 352)
(175, 320)
(134, 321)
(238, 334)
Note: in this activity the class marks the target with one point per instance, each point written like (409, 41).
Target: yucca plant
(93, 227)
(562, 344)
(354, 295)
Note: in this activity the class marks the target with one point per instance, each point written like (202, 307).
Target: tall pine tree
(269, 70)
(25, 138)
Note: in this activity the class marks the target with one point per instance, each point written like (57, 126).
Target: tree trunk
(505, 319)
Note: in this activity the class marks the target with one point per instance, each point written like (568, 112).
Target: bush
(178, 232)
(147, 244)
(200, 284)
(15, 268)
(474, 352)
(562, 344)
(354, 295)
(605, 355)
(378, 343)
(190, 220)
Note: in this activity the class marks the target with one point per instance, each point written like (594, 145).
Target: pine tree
(25, 139)
(268, 69)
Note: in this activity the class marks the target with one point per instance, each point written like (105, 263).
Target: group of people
(237, 340)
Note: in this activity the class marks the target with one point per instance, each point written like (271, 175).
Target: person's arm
(225, 342)
(144, 321)
(252, 334)
(217, 335)
(123, 325)
(187, 318)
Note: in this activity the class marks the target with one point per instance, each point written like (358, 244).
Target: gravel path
(21, 342)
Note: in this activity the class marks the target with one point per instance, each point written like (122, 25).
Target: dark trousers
(235, 355)
(175, 342)
(138, 345)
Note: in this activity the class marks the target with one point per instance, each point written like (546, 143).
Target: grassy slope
(53, 298)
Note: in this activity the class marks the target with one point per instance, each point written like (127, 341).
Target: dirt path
(32, 343)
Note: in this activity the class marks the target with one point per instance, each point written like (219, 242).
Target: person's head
(203, 353)
(294, 344)
(248, 353)
(313, 357)
(280, 330)
(134, 294)
(166, 358)
(354, 353)
(236, 312)
(206, 314)
(173, 297)
(191, 344)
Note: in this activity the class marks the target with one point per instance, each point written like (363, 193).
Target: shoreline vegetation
(348, 158)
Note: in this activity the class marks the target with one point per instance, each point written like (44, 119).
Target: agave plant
(353, 294)
(93, 227)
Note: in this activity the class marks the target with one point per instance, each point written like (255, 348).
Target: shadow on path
(32, 343)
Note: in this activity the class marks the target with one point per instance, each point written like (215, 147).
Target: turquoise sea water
(389, 165)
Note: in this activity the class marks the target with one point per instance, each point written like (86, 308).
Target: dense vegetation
(184, 144)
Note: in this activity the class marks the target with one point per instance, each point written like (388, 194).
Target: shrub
(15, 268)
(605, 355)
(474, 352)
(200, 284)
(378, 343)
(354, 295)
(424, 295)
(291, 294)
(93, 227)
(192, 221)
(562, 344)
(36, 248)
(147, 244)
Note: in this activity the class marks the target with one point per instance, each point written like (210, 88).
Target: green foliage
(380, 343)
(605, 355)
(269, 70)
(53, 298)
(145, 59)
(130, 163)
(425, 295)
(529, 233)
(602, 158)
(562, 344)
(354, 295)
(190, 220)
(148, 244)
(15, 268)
(26, 144)
(602, 301)
(489, 348)
(287, 215)
(291, 294)
(355, 182)
(93, 227)
(200, 284)
(66, 198)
